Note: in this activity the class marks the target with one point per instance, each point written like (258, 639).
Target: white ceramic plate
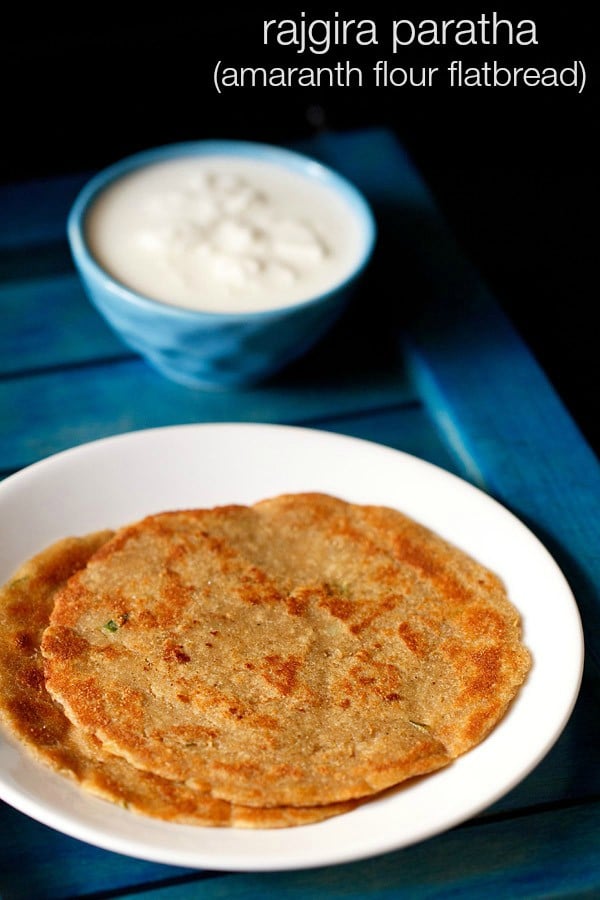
(114, 481)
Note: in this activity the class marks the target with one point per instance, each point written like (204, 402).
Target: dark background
(514, 170)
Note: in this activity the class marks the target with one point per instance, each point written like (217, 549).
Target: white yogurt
(223, 234)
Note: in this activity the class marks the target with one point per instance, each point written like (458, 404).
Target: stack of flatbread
(259, 666)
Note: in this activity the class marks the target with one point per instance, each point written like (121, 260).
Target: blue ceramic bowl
(206, 349)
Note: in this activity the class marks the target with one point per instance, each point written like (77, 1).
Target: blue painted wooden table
(424, 361)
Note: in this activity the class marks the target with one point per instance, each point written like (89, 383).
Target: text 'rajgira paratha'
(40, 724)
(301, 651)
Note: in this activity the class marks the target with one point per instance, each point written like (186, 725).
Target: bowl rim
(290, 159)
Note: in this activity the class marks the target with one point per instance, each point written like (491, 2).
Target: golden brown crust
(40, 724)
(303, 651)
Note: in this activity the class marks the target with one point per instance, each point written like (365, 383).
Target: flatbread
(302, 651)
(39, 722)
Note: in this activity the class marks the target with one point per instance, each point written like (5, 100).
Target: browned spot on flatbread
(413, 639)
(255, 587)
(175, 595)
(24, 642)
(337, 606)
(175, 653)
(297, 603)
(408, 551)
(64, 643)
(37, 720)
(31, 678)
(370, 676)
(281, 672)
(373, 612)
(484, 622)
(486, 664)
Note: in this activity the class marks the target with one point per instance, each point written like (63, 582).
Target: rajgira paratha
(301, 651)
(39, 722)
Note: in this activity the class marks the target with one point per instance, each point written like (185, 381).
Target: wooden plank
(47, 413)
(38, 862)
(553, 854)
(407, 429)
(549, 853)
(508, 427)
(488, 396)
(50, 322)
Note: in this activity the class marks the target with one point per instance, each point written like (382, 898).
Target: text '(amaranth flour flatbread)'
(299, 652)
(34, 718)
